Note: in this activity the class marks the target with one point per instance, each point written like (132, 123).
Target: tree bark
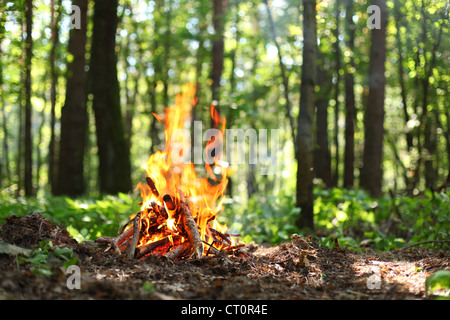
(322, 155)
(336, 96)
(166, 55)
(70, 178)
(152, 83)
(28, 183)
(219, 8)
(372, 171)
(5, 165)
(430, 139)
(305, 172)
(54, 83)
(349, 81)
(401, 77)
(114, 153)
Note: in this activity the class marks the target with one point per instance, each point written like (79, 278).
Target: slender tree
(349, 81)
(322, 155)
(70, 178)
(337, 66)
(20, 133)
(430, 135)
(28, 183)
(113, 151)
(157, 62)
(54, 26)
(305, 172)
(5, 172)
(372, 171)
(219, 10)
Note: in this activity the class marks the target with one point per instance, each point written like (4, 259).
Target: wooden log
(170, 203)
(152, 186)
(136, 233)
(129, 222)
(191, 228)
(179, 251)
(150, 247)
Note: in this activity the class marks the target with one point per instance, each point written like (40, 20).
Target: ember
(178, 217)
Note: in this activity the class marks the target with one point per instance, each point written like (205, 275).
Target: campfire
(179, 209)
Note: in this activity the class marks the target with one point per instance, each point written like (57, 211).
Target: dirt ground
(298, 269)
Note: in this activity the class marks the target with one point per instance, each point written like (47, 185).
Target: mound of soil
(298, 269)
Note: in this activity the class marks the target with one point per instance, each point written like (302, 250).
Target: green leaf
(63, 253)
(438, 284)
(70, 262)
(148, 287)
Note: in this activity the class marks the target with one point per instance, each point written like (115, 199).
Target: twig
(211, 248)
(421, 242)
(116, 241)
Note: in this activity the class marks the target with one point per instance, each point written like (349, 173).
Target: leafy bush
(42, 258)
(265, 219)
(386, 223)
(438, 285)
(350, 216)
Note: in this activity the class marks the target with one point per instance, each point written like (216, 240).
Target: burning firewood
(152, 186)
(178, 251)
(191, 227)
(153, 246)
(168, 224)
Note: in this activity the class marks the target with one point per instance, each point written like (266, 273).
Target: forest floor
(298, 269)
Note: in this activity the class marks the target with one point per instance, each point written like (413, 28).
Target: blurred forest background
(366, 108)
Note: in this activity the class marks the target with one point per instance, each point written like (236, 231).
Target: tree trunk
(336, 96)
(6, 171)
(151, 83)
(166, 55)
(401, 77)
(430, 134)
(52, 169)
(114, 153)
(39, 141)
(372, 171)
(219, 8)
(349, 151)
(305, 172)
(70, 178)
(284, 77)
(322, 155)
(28, 183)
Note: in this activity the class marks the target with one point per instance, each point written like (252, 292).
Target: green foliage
(45, 256)
(347, 217)
(438, 285)
(148, 287)
(355, 219)
(84, 218)
(270, 219)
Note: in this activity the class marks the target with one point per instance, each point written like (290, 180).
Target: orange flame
(204, 195)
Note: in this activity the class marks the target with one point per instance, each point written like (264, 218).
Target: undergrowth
(348, 217)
